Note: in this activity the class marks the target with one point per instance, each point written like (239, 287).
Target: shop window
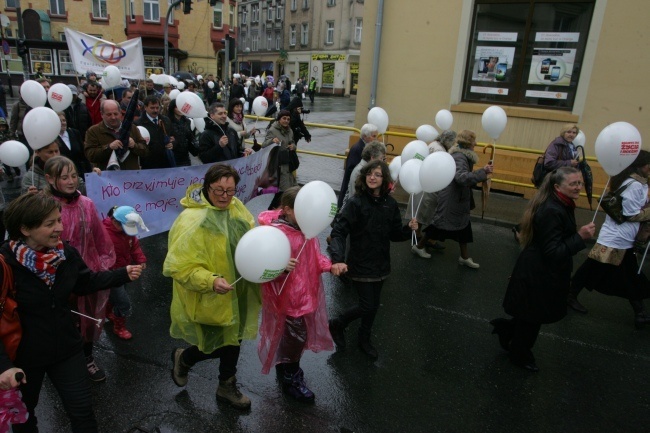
(66, 67)
(41, 58)
(527, 52)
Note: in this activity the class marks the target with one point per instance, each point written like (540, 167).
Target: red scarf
(43, 264)
(566, 201)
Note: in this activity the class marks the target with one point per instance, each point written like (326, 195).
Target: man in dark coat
(218, 142)
(160, 141)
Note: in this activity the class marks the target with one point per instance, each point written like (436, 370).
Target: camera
(305, 111)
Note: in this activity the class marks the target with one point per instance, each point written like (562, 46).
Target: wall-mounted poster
(551, 66)
(493, 63)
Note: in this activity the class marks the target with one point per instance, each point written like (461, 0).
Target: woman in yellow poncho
(206, 310)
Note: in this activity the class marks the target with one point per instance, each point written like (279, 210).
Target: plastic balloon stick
(99, 321)
(601, 200)
(235, 282)
(289, 273)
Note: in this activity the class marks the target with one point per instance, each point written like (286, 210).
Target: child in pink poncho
(294, 317)
(83, 229)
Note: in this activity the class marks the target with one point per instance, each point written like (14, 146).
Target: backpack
(612, 204)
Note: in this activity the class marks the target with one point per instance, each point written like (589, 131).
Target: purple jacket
(558, 154)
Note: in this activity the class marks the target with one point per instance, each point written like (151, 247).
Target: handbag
(294, 162)
(612, 204)
(10, 330)
(539, 172)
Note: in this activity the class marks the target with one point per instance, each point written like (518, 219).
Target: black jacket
(157, 156)
(209, 148)
(372, 223)
(49, 328)
(540, 281)
(183, 137)
(76, 153)
(297, 125)
(78, 117)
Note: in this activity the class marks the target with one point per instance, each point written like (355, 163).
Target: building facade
(260, 46)
(547, 63)
(199, 50)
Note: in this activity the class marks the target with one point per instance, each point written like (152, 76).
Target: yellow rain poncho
(201, 248)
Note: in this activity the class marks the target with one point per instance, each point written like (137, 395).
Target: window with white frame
(329, 36)
(13, 3)
(255, 13)
(278, 41)
(358, 29)
(331, 3)
(255, 42)
(292, 35)
(217, 16)
(269, 13)
(244, 15)
(66, 67)
(279, 13)
(170, 21)
(132, 9)
(231, 17)
(57, 7)
(269, 41)
(62, 37)
(305, 4)
(151, 10)
(100, 9)
(294, 5)
(304, 34)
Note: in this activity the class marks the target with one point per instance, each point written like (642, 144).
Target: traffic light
(187, 6)
(22, 48)
(232, 47)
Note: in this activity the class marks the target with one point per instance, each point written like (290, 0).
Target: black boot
(366, 346)
(572, 299)
(641, 318)
(504, 329)
(337, 329)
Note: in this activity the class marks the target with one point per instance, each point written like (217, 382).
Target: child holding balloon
(83, 229)
(294, 314)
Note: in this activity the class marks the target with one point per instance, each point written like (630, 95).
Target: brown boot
(228, 392)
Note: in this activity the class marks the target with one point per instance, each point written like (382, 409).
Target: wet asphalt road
(439, 368)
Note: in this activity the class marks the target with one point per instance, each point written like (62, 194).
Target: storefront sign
(556, 37)
(329, 57)
(497, 36)
(489, 90)
(545, 95)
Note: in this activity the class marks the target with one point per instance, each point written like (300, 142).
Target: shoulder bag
(10, 330)
(612, 204)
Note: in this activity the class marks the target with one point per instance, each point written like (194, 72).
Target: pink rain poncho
(303, 296)
(83, 229)
(201, 246)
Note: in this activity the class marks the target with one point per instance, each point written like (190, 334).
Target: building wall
(422, 63)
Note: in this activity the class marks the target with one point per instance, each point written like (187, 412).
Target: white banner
(156, 194)
(89, 53)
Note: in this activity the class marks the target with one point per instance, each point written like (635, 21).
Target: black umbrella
(587, 176)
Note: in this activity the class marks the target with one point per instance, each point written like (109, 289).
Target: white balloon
(41, 127)
(260, 106)
(426, 133)
(262, 254)
(409, 176)
(378, 117)
(315, 208)
(174, 94)
(59, 96)
(180, 85)
(191, 105)
(617, 146)
(111, 76)
(415, 149)
(444, 119)
(494, 121)
(438, 170)
(199, 124)
(192, 126)
(394, 167)
(13, 153)
(199, 77)
(211, 84)
(145, 134)
(580, 139)
(33, 93)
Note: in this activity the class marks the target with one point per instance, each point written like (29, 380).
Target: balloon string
(99, 321)
(33, 162)
(289, 273)
(601, 200)
(643, 259)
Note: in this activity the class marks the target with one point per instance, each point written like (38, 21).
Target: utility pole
(169, 12)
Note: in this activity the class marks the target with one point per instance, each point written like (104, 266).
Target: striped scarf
(43, 264)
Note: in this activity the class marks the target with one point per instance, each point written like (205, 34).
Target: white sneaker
(420, 252)
(468, 262)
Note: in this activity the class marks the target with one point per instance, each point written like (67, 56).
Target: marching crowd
(70, 270)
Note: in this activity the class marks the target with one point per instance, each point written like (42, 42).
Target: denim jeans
(120, 301)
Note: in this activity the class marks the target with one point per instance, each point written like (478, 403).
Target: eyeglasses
(375, 175)
(220, 192)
